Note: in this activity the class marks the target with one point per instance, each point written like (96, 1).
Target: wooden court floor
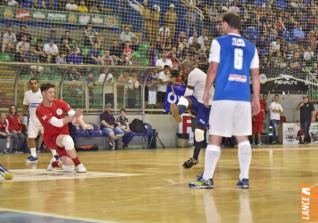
(151, 186)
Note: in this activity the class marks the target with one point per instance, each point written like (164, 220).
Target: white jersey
(33, 100)
(197, 79)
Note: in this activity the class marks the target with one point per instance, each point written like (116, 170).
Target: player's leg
(33, 132)
(183, 105)
(243, 128)
(66, 141)
(6, 174)
(219, 126)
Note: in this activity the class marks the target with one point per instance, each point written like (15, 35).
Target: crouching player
(192, 100)
(56, 131)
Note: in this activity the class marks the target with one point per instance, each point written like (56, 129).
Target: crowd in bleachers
(285, 32)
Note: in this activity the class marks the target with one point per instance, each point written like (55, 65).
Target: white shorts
(230, 118)
(34, 130)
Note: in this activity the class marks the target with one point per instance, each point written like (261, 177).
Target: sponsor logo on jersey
(237, 78)
(59, 111)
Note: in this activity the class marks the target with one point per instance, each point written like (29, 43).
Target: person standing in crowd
(275, 109)
(258, 124)
(232, 59)
(32, 99)
(307, 115)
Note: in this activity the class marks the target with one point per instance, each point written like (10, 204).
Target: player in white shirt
(193, 100)
(32, 99)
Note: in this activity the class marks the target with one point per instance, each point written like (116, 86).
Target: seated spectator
(22, 55)
(123, 123)
(66, 35)
(73, 74)
(94, 8)
(106, 59)
(175, 62)
(126, 35)
(23, 32)
(127, 53)
(71, 5)
(90, 36)
(52, 37)
(94, 54)
(82, 7)
(23, 43)
(26, 3)
(164, 78)
(202, 39)
(164, 60)
(116, 51)
(8, 40)
(13, 3)
(15, 128)
(64, 51)
(51, 51)
(37, 55)
(110, 127)
(74, 57)
(4, 132)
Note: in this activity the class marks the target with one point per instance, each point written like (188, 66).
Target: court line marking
(22, 175)
(55, 215)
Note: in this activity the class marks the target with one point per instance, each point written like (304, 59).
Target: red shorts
(257, 127)
(50, 142)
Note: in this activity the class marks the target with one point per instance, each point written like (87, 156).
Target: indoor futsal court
(151, 186)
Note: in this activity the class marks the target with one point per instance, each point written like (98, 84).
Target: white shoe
(50, 167)
(80, 168)
(53, 159)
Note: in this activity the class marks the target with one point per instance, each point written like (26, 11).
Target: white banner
(290, 131)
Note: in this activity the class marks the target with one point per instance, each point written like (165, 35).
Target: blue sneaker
(244, 183)
(7, 175)
(200, 183)
(31, 159)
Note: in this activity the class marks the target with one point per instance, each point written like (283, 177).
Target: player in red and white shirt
(56, 132)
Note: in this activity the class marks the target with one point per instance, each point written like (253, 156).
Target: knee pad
(67, 168)
(199, 135)
(183, 101)
(68, 142)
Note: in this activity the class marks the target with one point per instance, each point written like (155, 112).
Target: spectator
(116, 51)
(94, 54)
(74, 75)
(164, 60)
(23, 43)
(4, 132)
(71, 5)
(37, 54)
(154, 23)
(51, 51)
(74, 57)
(64, 51)
(90, 36)
(82, 7)
(107, 78)
(23, 32)
(22, 55)
(202, 39)
(164, 78)
(126, 35)
(127, 53)
(15, 128)
(8, 40)
(151, 54)
(276, 110)
(122, 121)
(171, 19)
(106, 59)
(151, 87)
(90, 82)
(66, 35)
(146, 14)
(110, 127)
(307, 115)
(52, 37)
(13, 3)
(258, 125)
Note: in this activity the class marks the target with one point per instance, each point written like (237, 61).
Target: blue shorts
(115, 131)
(201, 113)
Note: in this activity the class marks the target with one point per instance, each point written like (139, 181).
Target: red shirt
(14, 123)
(44, 114)
(261, 115)
(3, 126)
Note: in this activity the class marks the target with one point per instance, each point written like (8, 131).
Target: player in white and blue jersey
(32, 99)
(232, 60)
(193, 100)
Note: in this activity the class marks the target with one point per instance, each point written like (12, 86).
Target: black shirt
(305, 111)
(109, 118)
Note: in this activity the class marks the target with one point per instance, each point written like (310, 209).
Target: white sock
(33, 152)
(53, 151)
(8, 145)
(212, 155)
(244, 156)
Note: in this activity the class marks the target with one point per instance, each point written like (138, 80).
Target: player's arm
(256, 107)
(25, 109)
(214, 60)
(190, 85)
